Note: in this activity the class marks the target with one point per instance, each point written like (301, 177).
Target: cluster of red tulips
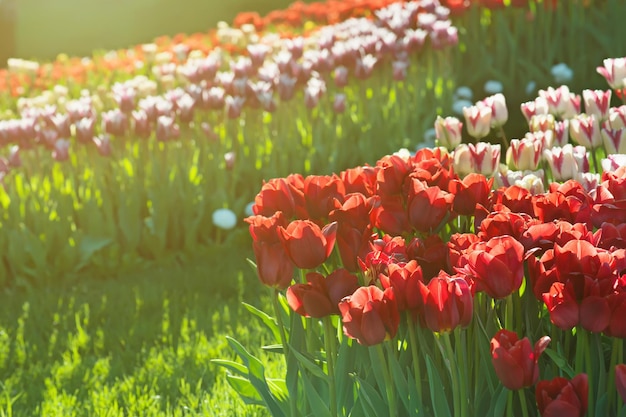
(416, 236)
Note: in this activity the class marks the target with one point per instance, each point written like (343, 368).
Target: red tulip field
(354, 208)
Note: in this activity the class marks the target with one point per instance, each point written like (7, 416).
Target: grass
(138, 344)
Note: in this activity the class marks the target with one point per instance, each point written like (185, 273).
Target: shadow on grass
(135, 343)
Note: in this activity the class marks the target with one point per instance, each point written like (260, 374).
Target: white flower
(562, 73)
(248, 210)
(224, 218)
(493, 87)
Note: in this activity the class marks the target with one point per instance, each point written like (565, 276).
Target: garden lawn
(138, 344)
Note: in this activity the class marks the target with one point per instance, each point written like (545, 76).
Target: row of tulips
(31, 78)
(127, 149)
(420, 286)
(134, 174)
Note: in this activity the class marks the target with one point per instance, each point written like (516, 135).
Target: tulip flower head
(448, 131)
(560, 397)
(614, 71)
(515, 360)
(478, 120)
(370, 315)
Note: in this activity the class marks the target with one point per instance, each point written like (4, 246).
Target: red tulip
(447, 303)
(274, 267)
(427, 206)
(275, 195)
(430, 253)
(308, 246)
(320, 296)
(497, 266)
(473, 189)
(620, 380)
(562, 398)
(320, 192)
(514, 360)
(404, 279)
(389, 215)
(370, 315)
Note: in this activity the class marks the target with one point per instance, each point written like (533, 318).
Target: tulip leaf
(320, 406)
(266, 319)
(499, 405)
(560, 362)
(232, 366)
(88, 246)
(279, 388)
(308, 364)
(441, 407)
(256, 375)
(399, 380)
(374, 405)
(602, 405)
(245, 389)
(343, 365)
(276, 348)
(622, 412)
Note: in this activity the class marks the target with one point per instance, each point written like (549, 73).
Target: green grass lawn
(139, 344)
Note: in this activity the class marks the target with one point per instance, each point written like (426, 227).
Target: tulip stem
(329, 342)
(415, 357)
(459, 398)
(391, 397)
(522, 400)
(283, 336)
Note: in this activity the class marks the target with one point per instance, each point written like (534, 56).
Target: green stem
(509, 404)
(454, 375)
(329, 342)
(415, 357)
(522, 400)
(391, 396)
(293, 407)
(508, 314)
(593, 387)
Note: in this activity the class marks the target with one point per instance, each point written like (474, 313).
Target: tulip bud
(614, 71)
(499, 112)
(478, 120)
(515, 361)
(341, 76)
(612, 162)
(588, 180)
(541, 123)
(564, 164)
(448, 131)
(597, 103)
(339, 103)
(614, 140)
(61, 150)
(585, 130)
(463, 160)
(524, 154)
(536, 107)
(485, 158)
(617, 117)
(561, 133)
(103, 144)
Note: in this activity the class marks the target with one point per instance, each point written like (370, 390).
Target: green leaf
(440, 403)
(245, 389)
(88, 246)
(560, 362)
(278, 348)
(377, 407)
(498, 406)
(320, 406)
(256, 375)
(266, 319)
(232, 366)
(399, 380)
(308, 364)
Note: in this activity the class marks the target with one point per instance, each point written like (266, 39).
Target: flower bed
(422, 282)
